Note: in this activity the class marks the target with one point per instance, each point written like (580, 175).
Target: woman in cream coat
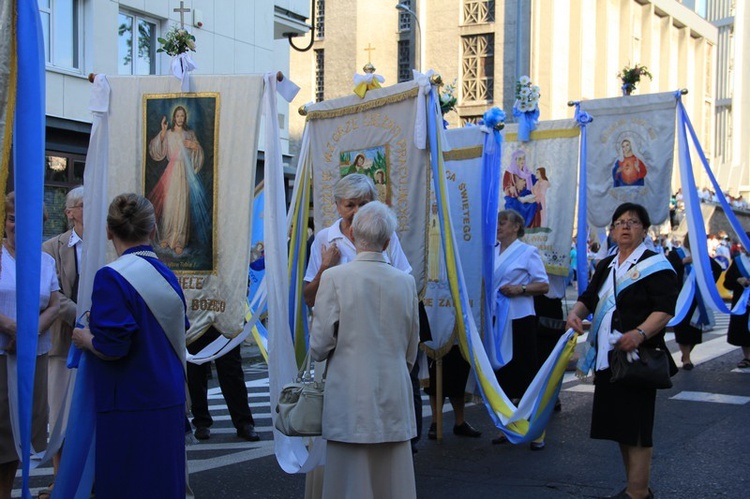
(366, 324)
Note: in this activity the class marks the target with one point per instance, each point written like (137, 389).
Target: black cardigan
(654, 293)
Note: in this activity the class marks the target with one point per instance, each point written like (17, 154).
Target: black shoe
(248, 433)
(202, 433)
(536, 446)
(500, 440)
(466, 430)
(432, 432)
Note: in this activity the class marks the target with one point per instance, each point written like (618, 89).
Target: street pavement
(702, 443)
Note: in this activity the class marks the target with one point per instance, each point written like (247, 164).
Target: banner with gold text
(373, 136)
(462, 156)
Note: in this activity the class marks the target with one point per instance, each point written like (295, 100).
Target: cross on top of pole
(369, 50)
(182, 10)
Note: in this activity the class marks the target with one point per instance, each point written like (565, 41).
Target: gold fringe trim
(564, 133)
(364, 106)
(463, 153)
(10, 111)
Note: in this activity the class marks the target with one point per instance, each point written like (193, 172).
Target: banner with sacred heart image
(539, 181)
(193, 156)
(373, 136)
(630, 154)
(462, 156)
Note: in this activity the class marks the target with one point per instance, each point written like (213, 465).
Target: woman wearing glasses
(633, 295)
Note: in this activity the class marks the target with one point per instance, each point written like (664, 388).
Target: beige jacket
(65, 261)
(366, 319)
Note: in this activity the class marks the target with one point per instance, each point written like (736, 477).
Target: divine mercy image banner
(180, 144)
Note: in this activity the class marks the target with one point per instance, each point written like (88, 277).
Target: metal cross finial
(369, 50)
(182, 10)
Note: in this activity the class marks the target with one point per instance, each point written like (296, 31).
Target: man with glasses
(66, 250)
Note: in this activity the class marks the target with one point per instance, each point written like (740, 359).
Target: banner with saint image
(630, 154)
(539, 181)
(373, 136)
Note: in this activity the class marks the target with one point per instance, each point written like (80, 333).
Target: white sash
(160, 297)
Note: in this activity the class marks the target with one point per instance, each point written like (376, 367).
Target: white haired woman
(333, 245)
(367, 327)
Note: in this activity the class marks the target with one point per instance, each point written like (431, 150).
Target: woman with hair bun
(136, 342)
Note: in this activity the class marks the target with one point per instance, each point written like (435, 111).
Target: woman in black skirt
(737, 279)
(633, 295)
(689, 332)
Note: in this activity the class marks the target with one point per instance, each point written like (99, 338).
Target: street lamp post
(406, 9)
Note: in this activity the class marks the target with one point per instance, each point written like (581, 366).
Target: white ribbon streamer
(420, 120)
(367, 78)
(182, 64)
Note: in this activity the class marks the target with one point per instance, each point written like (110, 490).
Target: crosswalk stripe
(716, 398)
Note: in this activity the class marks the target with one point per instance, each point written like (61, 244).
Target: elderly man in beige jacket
(366, 324)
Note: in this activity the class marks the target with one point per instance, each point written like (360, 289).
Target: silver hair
(372, 226)
(74, 196)
(354, 186)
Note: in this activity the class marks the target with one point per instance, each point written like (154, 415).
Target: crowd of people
(367, 323)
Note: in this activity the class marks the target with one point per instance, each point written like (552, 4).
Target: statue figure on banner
(179, 193)
(539, 190)
(628, 169)
(518, 182)
(381, 186)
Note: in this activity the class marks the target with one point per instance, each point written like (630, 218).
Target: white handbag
(300, 406)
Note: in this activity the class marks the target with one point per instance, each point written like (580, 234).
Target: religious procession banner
(193, 155)
(630, 154)
(373, 136)
(539, 181)
(7, 91)
(462, 156)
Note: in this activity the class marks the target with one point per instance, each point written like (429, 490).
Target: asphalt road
(702, 444)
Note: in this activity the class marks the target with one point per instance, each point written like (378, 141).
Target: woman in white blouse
(519, 275)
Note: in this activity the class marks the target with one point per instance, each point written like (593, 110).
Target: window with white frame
(62, 22)
(136, 44)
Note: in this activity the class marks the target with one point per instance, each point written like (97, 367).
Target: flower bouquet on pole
(526, 107)
(631, 77)
(177, 42)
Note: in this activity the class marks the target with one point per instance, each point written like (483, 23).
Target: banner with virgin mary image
(193, 155)
(630, 154)
(373, 136)
(539, 181)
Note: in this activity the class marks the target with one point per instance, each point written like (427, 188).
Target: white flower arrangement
(527, 95)
(177, 41)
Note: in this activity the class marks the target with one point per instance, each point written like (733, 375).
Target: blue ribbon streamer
(527, 122)
(582, 265)
(491, 170)
(28, 156)
(696, 229)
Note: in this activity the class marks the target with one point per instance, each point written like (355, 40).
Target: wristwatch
(523, 289)
(642, 333)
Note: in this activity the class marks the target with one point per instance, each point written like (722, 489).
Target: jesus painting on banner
(179, 175)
